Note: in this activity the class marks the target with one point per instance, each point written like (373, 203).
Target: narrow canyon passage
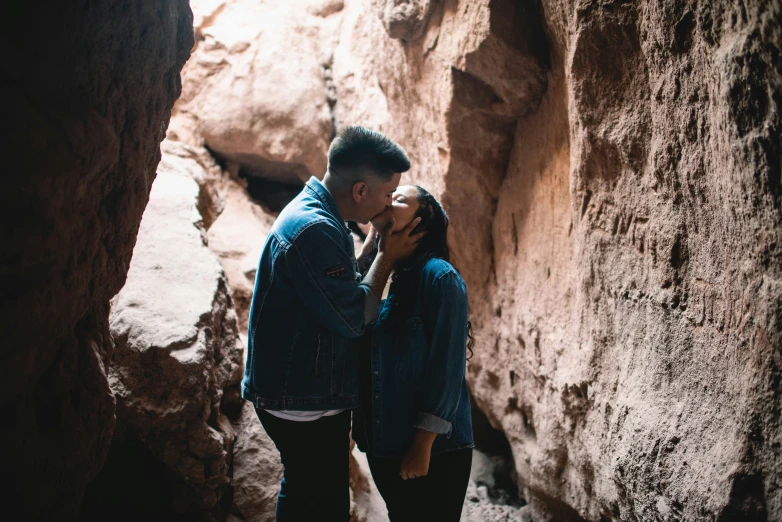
(612, 174)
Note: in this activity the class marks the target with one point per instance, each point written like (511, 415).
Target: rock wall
(618, 164)
(613, 177)
(178, 363)
(87, 92)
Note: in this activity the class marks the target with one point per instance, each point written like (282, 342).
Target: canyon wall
(613, 177)
(86, 97)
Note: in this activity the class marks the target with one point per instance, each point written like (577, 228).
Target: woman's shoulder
(435, 269)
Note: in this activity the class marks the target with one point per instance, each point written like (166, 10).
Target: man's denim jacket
(308, 309)
(418, 369)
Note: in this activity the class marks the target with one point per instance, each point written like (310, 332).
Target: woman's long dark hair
(433, 244)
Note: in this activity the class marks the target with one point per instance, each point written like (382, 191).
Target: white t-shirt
(303, 416)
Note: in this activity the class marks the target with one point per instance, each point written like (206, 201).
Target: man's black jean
(315, 456)
(437, 496)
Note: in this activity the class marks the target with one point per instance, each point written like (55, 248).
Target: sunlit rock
(177, 362)
(257, 88)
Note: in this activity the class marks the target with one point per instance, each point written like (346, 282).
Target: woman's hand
(369, 242)
(415, 462)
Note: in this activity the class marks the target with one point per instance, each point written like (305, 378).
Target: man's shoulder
(304, 214)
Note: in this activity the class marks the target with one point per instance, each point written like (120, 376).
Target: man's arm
(322, 272)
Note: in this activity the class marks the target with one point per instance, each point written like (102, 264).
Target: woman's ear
(359, 191)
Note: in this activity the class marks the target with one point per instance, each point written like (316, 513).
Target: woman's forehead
(406, 190)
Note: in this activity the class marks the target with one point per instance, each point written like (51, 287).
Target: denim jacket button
(377, 396)
(376, 372)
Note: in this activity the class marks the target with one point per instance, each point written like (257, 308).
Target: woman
(414, 422)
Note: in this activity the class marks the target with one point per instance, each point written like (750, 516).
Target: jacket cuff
(429, 422)
(371, 305)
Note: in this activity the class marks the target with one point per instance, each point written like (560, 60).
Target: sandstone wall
(178, 363)
(613, 176)
(617, 164)
(87, 92)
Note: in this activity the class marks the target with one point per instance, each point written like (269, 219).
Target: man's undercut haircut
(357, 147)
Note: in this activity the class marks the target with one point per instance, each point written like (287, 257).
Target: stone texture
(627, 205)
(237, 237)
(485, 501)
(257, 471)
(612, 173)
(177, 363)
(271, 115)
(366, 504)
(87, 92)
(405, 19)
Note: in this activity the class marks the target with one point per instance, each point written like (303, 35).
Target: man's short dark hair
(361, 147)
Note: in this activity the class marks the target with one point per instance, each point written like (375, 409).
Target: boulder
(237, 237)
(87, 92)
(177, 363)
(245, 102)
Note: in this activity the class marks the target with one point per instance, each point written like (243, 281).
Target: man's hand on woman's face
(396, 246)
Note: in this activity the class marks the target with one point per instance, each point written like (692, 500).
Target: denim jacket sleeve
(324, 278)
(446, 314)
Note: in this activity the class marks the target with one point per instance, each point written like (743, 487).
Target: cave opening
(494, 467)
(136, 485)
(273, 195)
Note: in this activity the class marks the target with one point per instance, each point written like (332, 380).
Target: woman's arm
(445, 316)
(415, 463)
(437, 400)
(368, 250)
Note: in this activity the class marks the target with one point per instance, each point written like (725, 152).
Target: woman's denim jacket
(308, 310)
(418, 369)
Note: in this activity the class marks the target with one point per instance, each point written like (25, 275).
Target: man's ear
(359, 191)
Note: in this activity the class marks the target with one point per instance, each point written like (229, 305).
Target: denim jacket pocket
(410, 350)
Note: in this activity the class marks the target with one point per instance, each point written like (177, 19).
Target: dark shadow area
(273, 195)
(495, 445)
(353, 226)
(133, 486)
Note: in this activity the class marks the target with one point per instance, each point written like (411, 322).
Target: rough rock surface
(87, 90)
(268, 112)
(257, 471)
(485, 500)
(366, 504)
(237, 237)
(617, 164)
(613, 177)
(177, 362)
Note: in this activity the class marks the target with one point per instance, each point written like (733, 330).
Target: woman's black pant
(439, 495)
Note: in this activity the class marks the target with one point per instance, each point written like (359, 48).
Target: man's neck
(340, 196)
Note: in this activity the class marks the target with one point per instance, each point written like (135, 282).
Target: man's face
(374, 196)
(404, 205)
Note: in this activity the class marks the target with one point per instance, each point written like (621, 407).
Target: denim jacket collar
(320, 191)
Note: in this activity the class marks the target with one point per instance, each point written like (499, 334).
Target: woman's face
(404, 205)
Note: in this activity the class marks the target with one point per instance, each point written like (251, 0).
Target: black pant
(439, 495)
(315, 456)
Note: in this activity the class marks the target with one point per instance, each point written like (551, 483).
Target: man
(309, 307)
